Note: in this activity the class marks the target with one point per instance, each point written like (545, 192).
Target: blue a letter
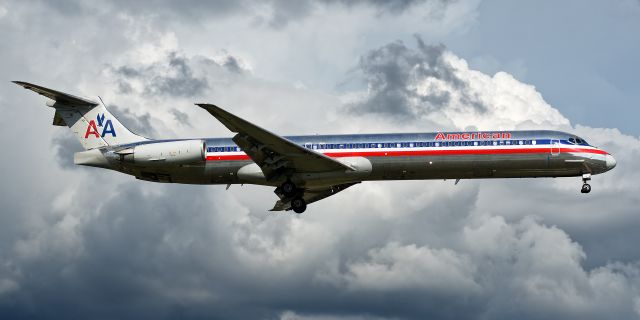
(108, 128)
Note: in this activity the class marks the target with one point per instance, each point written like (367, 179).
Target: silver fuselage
(408, 156)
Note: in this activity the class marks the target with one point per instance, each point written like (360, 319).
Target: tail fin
(90, 121)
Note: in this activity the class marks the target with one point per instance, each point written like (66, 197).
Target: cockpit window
(572, 140)
(581, 141)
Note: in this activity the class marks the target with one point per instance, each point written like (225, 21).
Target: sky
(79, 242)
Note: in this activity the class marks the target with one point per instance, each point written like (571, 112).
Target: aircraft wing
(58, 96)
(274, 154)
(312, 195)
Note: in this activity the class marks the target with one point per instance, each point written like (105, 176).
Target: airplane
(305, 169)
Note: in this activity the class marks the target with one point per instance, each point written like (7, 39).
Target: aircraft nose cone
(610, 161)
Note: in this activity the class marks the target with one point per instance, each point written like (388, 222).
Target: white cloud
(485, 249)
(396, 267)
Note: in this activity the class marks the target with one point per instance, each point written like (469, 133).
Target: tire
(298, 205)
(586, 188)
(288, 189)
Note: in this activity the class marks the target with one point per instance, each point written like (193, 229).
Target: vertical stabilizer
(90, 122)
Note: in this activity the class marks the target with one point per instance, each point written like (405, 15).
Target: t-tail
(90, 121)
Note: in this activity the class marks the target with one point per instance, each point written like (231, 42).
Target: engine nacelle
(164, 153)
(361, 165)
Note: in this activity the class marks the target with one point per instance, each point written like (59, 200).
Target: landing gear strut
(298, 205)
(586, 188)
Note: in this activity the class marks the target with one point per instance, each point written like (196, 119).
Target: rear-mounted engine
(163, 153)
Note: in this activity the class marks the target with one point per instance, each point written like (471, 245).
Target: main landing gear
(291, 191)
(586, 188)
(298, 205)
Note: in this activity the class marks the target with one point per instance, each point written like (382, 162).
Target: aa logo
(107, 127)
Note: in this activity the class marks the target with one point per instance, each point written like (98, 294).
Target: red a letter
(92, 129)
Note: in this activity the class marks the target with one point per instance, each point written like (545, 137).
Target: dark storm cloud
(139, 124)
(393, 72)
(231, 63)
(283, 11)
(177, 80)
(65, 144)
(180, 117)
(394, 6)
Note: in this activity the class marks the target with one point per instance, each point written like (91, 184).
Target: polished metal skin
(563, 159)
(305, 169)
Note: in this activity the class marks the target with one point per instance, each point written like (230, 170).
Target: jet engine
(164, 153)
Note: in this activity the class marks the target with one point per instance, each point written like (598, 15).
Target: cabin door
(555, 147)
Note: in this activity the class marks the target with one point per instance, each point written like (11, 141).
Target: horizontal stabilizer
(58, 96)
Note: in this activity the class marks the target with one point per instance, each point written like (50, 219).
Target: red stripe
(446, 152)
(229, 157)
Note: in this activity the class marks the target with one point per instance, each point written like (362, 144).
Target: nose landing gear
(586, 188)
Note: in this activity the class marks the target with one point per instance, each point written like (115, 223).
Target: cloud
(94, 243)
(272, 13)
(395, 267)
(65, 144)
(431, 83)
(180, 117)
(139, 124)
(171, 77)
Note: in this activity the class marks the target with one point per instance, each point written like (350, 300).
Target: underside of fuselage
(390, 168)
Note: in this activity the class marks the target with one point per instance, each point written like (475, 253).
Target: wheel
(288, 189)
(298, 205)
(586, 188)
